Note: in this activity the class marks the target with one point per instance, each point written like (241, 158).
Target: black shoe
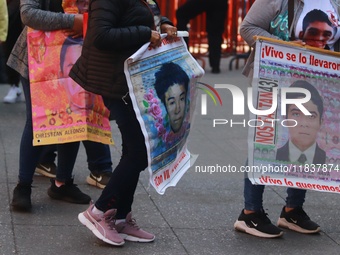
(297, 220)
(68, 192)
(22, 198)
(257, 224)
(215, 70)
(99, 180)
(47, 169)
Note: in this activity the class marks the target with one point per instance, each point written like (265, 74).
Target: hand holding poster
(295, 142)
(162, 88)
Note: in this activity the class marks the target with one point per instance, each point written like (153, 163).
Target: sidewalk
(196, 217)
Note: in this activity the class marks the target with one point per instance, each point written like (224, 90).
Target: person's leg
(14, 30)
(99, 163)
(253, 196)
(253, 220)
(98, 156)
(28, 159)
(13, 77)
(215, 19)
(67, 155)
(46, 165)
(3, 74)
(14, 93)
(117, 197)
(187, 11)
(29, 154)
(63, 188)
(119, 191)
(295, 197)
(48, 154)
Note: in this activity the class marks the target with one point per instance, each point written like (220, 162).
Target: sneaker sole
(44, 173)
(10, 102)
(282, 222)
(83, 220)
(135, 239)
(21, 208)
(14, 101)
(242, 227)
(93, 182)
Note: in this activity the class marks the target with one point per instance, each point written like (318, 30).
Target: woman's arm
(258, 19)
(33, 16)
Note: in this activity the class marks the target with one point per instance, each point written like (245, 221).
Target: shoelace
(110, 221)
(133, 223)
(263, 216)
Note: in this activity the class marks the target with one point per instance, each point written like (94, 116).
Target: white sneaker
(13, 95)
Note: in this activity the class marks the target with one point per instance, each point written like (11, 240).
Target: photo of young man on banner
(162, 85)
(307, 151)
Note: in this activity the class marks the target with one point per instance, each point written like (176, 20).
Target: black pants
(98, 156)
(120, 190)
(3, 74)
(216, 13)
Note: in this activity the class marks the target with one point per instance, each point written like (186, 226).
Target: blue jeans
(120, 190)
(98, 156)
(30, 155)
(253, 195)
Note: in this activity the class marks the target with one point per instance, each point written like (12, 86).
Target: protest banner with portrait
(162, 86)
(62, 110)
(295, 120)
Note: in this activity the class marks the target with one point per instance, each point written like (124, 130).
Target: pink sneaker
(102, 225)
(130, 231)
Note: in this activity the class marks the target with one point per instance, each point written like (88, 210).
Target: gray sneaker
(102, 225)
(130, 231)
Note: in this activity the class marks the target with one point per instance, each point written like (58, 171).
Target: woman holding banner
(43, 15)
(313, 23)
(116, 30)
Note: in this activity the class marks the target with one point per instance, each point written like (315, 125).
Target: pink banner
(62, 110)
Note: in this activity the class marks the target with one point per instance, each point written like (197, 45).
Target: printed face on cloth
(175, 103)
(304, 134)
(318, 34)
(79, 98)
(317, 25)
